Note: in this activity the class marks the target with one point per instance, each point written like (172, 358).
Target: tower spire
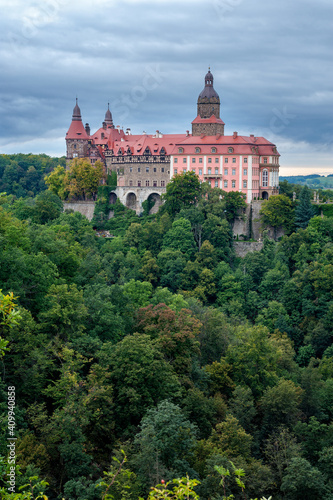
(108, 117)
(76, 112)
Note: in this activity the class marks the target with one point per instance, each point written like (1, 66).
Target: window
(154, 183)
(233, 171)
(176, 160)
(162, 184)
(225, 171)
(154, 169)
(200, 171)
(233, 184)
(139, 183)
(147, 170)
(131, 169)
(226, 160)
(265, 178)
(230, 150)
(225, 184)
(245, 171)
(209, 160)
(180, 150)
(245, 160)
(234, 160)
(193, 170)
(216, 170)
(147, 183)
(209, 171)
(265, 160)
(139, 169)
(244, 184)
(197, 150)
(162, 169)
(193, 160)
(216, 160)
(216, 184)
(184, 160)
(200, 160)
(176, 171)
(213, 150)
(184, 170)
(131, 183)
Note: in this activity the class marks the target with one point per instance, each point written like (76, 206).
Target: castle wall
(85, 208)
(207, 128)
(244, 247)
(134, 197)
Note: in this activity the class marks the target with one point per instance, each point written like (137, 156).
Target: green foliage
(22, 175)
(304, 210)
(165, 443)
(234, 203)
(302, 481)
(141, 378)
(183, 191)
(278, 213)
(182, 489)
(160, 342)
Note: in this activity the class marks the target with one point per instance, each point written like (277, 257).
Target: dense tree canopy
(158, 344)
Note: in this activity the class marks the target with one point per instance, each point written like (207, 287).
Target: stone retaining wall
(84, 207)
(244, 247)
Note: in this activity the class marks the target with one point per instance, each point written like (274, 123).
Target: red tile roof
(76, 131)
(211, 119)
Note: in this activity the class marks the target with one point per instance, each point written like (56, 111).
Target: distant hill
(314, 181)
(23, 174)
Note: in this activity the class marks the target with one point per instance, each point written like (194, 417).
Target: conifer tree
(304, 210)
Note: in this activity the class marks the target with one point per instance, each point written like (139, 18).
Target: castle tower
(208, 121)
(76, 137)
(108, 118)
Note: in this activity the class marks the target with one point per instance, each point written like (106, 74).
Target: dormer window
(197, 150)
(213, 150)
(230, 150)
(180, 150)
(162, 152)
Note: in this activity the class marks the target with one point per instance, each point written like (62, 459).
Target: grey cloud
(265, 56)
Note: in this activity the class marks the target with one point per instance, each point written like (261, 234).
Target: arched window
(180, 150)
(230, 150)
(197, 150)
(213, 150)
(265, 178)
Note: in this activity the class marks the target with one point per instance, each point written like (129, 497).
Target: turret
(208, 119)
(76, 137)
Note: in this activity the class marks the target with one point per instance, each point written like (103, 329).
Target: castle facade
(146, 163)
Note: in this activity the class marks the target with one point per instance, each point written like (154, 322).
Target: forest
(156, 363)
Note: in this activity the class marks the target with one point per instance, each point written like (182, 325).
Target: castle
(146, 163)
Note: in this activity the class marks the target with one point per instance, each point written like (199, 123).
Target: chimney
(104, 125)
(235, 135)
(87, 128)
(187, 133)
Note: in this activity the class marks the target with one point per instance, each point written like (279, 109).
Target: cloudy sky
(271, 61)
